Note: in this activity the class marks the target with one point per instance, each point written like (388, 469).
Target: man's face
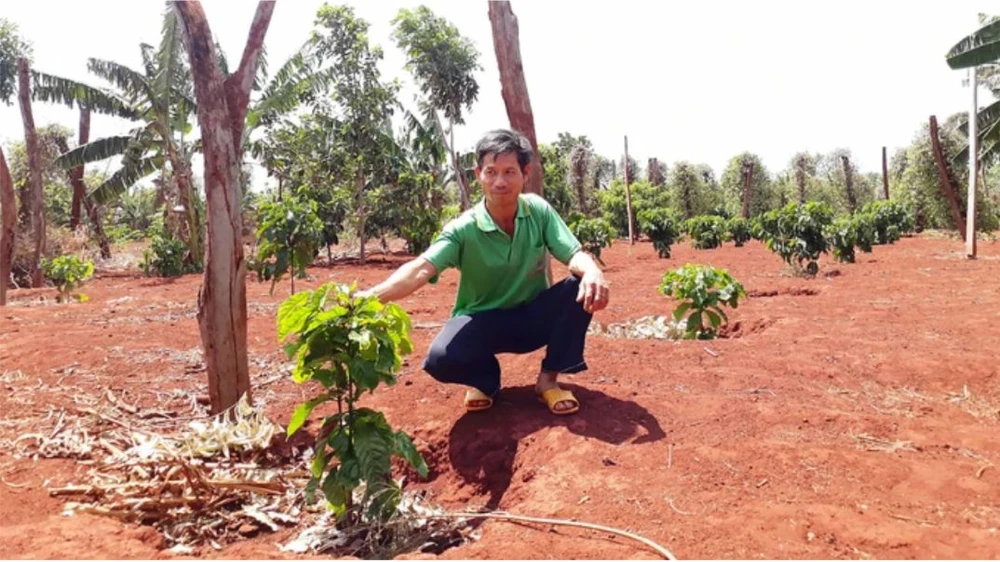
(501, 177)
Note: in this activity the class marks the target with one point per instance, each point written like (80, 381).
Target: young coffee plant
(290, 234)
(594, 234)
(349, 345)
(738, 229)
(165, 257)
(706, 231)
(891, 220)
(797, 233)
(663, 226)
(420, 229)
(843, 237)
(67, 273)
(864, 231)
(702, 290)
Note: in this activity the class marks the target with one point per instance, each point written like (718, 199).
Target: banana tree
(981, 52)
(159, 99)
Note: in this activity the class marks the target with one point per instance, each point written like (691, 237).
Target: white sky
(698, 81)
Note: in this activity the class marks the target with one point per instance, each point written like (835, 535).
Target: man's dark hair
(499, 141)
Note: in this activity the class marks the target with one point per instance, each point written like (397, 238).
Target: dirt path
(847, 416)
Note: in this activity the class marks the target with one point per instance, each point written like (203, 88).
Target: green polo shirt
(497, 271)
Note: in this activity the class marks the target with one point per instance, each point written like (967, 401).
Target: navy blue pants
(465, 350)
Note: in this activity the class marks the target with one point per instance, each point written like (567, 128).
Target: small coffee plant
(797, 233)
(349, 345)
(67, 273)
(290, 234)
(166, 256)
(702, 290)
(594, 234)
(843, 238)
(706, 231)
(663, 226)
(738, 229)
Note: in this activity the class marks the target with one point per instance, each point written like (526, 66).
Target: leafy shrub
(842, 235)
(706, 231)
(891, 220)
(864, 231)
(796, 232)
(67, 273)
(594, 234)
(738, 230)
(663, 226)
(702, 289)
(350, 345)
(644, 196)
(165, 257)
(420, 229)
(290, 234)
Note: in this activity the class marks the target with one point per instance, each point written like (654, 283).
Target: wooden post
(628, 197)
(747, 185)
(947, 189)
(885, 174)
(8, 224)
(970, 208)
(852, 200)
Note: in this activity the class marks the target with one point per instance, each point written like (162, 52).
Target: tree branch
(239, 83)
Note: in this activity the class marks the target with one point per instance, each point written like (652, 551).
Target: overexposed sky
(699, 81)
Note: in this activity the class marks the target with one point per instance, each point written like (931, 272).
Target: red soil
(743, 447)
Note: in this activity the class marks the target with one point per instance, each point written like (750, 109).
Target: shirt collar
(486, 223)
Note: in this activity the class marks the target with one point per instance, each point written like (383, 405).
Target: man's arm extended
(594, 292)
(409, 277)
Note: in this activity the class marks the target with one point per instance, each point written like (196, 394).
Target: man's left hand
(594, 290)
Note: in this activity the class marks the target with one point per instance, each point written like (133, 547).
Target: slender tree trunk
(885, 174)
(852, 199)
(76, 174)
(747, 187)
(359, 204)
(76, 180)
(8, 226)
(448, 140)
(34, 172)
(190, 228)
(628, 197)
(222, 105)
(514, 89)
(948, 189)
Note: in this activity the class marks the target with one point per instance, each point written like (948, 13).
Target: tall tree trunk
(8, 226)
(34, 171)
(885, 174)
(76, 174)
(800, 178)
(76, 180)
(948, 189)
(852, 199)
(514, 89)
(747, 187)
(222, 105)
(506, 43)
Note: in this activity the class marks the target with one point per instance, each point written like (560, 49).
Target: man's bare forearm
(404, 281)
(581, 263)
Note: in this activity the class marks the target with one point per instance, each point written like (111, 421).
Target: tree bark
(628, 198)
(513, 87)
(800, 178)
(76, 174)
(852, 199)
(747, 186)
(222, 106)
(76, 180)
(947, 187)
(885, 174)
(8, 226)
(34, 171)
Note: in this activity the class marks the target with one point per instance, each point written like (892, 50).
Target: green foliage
(290, 234)
(644, 196)
(67, 273)
(763, 196)
(843, 237)
(690, 188)
(706, 232)
(738, 230)
(797, 233)
(12, 47)
(350, 345)
(702, 290)
(663, 226)
(165, 257)
(594, 234)
(891, 220)
(555, 177)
